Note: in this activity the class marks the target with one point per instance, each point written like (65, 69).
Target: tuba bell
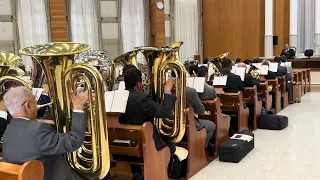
(215, 63)
(56, 61)
(254, 71)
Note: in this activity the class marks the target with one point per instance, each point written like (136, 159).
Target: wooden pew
(155, 162)
(31, 170)
(298, 77)
(233, 103)
(264, 94)
(222, 122)
(284, 92)
(197, 158)
(250, 96)
(276, 91)
(306, 77)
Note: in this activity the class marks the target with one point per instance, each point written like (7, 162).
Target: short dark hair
(256, 60)
(205, 61)
(238, 60)
(202, 71)
(131, 77)
(247, 61)
(126, 67)
(277, 59)
(193, 68)
(283, 58)
(226, 63)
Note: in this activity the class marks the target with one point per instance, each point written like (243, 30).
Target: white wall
(6, 27)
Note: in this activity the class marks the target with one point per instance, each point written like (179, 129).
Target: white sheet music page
(248, 68)
(216, 81)
(233, 70)
(122, 85)
(120, 99)
(210, 72)
(108, 98)
(198, 84)
(223, 80)
(288, 63)
(258, 65)
(264, 70)
(37, 92)
(190, 81)
(240, 71)
(273, 67)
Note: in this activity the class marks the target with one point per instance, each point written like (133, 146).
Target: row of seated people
(140, 109)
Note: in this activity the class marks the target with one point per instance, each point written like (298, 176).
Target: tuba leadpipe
(57, 63)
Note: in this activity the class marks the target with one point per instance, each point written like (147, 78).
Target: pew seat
(284, 92)
(232, 103)
(155, 163)
(250, 96)
(31, 170)
(276, 92)
(222, 122)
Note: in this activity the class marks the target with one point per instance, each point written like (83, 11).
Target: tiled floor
(289, 154)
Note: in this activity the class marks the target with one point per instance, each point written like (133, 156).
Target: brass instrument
(254, 71)
(215, 63)
(57, 63)
(161, 61)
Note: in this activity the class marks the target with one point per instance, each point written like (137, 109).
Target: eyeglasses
(23, 103)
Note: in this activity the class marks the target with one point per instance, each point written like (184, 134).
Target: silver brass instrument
(56, 60)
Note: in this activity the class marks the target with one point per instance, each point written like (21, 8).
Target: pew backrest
(31, 170)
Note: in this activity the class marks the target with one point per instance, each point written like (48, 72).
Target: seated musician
(209, 92)
(256, 60)
(289, 68)
(249, 81)
(281, 71)
(193, 69)
(234, 82)
(26, 139)
(271, 75)
(116, 86)
(142, 108)
(238, 60)
(247, 61)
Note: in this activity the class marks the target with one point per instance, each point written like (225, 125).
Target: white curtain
(84, 23)
(306, 25)
(32, 25)
(133, 24)
(186, 23)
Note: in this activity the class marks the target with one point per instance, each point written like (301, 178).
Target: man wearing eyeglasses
(26, 139)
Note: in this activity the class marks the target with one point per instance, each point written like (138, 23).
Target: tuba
(56, 61)
(254, 71)
(215, 63)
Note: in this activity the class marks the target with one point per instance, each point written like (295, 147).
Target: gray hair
(265, 62)
(15, 97)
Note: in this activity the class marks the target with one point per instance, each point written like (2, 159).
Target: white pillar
(317, 28)
(293, 34)
(268, 37)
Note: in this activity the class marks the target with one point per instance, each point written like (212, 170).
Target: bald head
(243, 65)
(16, 97)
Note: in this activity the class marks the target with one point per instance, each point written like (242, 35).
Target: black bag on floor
(272, 122)
(234, 150)
(177, 169)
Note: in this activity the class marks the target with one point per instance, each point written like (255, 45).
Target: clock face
(160, 5)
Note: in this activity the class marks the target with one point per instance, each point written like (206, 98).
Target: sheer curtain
(186, 23)
(84, 22)
(133, 24)
(32, 25)
(306, 25)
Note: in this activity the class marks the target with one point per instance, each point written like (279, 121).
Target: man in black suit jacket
(26, 139)
(142, 108)
(234, 82)
(249, 81)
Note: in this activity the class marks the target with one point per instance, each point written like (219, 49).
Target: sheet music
(285, 63)
(222, 81)
(233, 70)
(37, 92)
(273, 67)
(264, 70)
(197, 83)
(258, 65)
(122, 85)
(116, 101)
(240, 71)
